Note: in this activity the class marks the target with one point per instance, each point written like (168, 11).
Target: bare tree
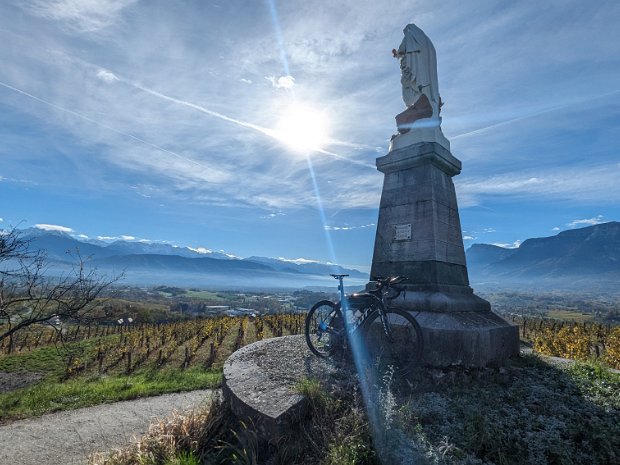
(30, 295)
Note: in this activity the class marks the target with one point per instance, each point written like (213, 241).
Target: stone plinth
(419, 230)
(260, 382)
(419, 236)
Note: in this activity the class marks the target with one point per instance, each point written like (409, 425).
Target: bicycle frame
(360, 303)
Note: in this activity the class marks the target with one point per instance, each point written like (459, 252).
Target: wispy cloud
(107, 135)
(205, 251)
(106, 75)
(200, 250)
(598, 183)
(531, 113)
(514, 245)
(53, 227)
(130, 238)
(348, 228)
(282, 82)
(78, 15)
(598, 219)
(272, 215)
(211, 174)
(298, 261)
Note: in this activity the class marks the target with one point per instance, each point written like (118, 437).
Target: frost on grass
(529, 412)
(534, 414)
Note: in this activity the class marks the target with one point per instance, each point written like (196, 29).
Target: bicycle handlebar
(387, 284)
(390, 280)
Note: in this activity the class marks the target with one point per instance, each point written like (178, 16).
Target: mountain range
(574, 257)
(578, 255)
(146, 263)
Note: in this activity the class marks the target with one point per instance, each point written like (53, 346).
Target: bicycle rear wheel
(402, 351)
(324, 328)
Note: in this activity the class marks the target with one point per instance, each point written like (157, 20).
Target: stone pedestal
(419, 236)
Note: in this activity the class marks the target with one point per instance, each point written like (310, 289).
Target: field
(529, 411)
(45, 369)
(537, 412)
(570, 315)
(570, 339)
(87, 365)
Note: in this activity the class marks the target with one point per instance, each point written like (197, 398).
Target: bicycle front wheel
(324, 328)
(399, 352)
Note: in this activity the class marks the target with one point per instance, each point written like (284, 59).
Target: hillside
(591, 253)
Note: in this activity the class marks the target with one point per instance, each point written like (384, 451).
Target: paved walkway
(68, 438)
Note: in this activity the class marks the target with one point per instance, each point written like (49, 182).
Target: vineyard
(124, 349)
(577, 341)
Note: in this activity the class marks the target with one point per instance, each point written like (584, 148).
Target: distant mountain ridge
(157, 263)
(592, 252)
(587, 255)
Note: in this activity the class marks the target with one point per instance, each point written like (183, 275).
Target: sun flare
(302, 128)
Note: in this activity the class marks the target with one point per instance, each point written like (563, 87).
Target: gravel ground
(68, 438)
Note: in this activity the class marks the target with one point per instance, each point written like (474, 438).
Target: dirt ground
(68, 438)
(12, 381)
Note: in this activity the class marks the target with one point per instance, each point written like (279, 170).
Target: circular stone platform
(260, 382)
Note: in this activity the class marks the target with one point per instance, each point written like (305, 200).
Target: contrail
(530, 115)
(266, 131)
(103, 125)
(340, 157)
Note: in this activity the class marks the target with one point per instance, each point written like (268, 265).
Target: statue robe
(419, 64)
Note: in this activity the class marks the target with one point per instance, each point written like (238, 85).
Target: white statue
(418, 64)
(420, 122)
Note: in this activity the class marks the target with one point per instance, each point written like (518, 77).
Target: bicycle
(390, 336)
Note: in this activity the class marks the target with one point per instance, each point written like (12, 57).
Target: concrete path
(68, 438)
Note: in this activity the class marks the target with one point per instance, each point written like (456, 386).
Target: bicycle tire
(403, 352)
(324, 328)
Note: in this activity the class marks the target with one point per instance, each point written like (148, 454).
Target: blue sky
(156, 119)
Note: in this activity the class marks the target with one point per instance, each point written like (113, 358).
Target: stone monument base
(459, 328)
(424, 130)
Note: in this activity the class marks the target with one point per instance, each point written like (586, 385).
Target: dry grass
(198, 433)
(527, 412)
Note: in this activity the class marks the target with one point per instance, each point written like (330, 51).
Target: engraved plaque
(402, 232)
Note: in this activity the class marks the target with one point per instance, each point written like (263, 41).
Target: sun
(302, 128)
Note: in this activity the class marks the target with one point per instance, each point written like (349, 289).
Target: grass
(50, 360)
(568, 315)
(205, 295)
(311, 388)
(58, 385)
(200, 436)
(55, 395)
(183, 458)
(529, 412)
